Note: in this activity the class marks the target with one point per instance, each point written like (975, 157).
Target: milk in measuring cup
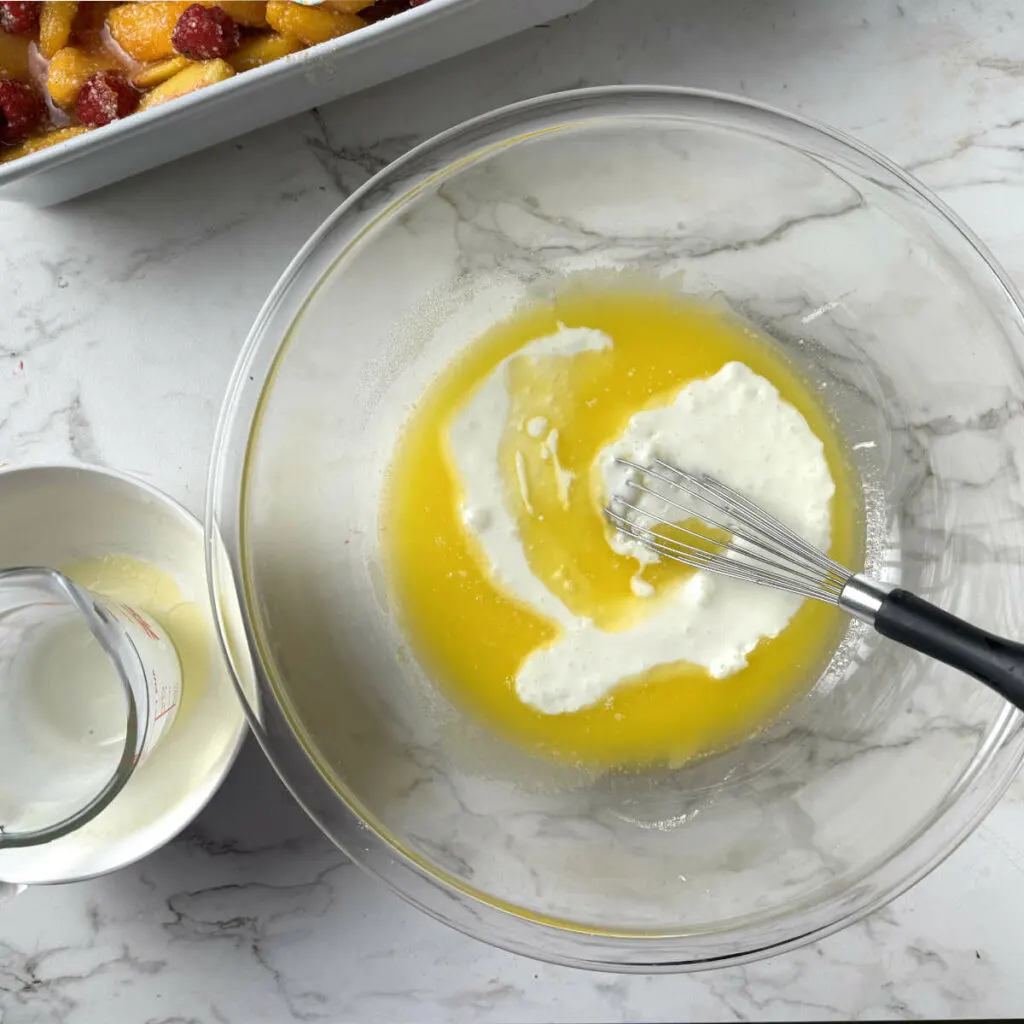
(63, 730)
(88, 685)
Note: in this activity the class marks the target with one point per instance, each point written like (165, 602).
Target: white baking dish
(387, 49)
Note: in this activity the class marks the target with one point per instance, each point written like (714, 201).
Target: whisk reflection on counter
(697, 520)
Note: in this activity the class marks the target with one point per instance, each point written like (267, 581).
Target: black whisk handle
(915, 623)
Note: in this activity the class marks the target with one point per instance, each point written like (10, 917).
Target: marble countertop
(121, 314)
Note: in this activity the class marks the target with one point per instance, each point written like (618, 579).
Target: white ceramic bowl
(55, 515)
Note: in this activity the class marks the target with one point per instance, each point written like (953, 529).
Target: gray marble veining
(120, 317)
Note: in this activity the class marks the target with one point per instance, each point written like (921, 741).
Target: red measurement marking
(164, 712)
(143, 624)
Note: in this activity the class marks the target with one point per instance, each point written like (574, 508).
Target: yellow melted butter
(471, 638)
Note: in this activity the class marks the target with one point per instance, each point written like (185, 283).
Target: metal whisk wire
(762, 551)
(759, 549)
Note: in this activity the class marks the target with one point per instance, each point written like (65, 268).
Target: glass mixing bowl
(889, 305)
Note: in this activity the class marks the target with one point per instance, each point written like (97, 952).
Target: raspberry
(203, 33)
(21, 109)
(20, 19)
(105, 97)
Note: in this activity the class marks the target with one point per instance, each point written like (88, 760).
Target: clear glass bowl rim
(432, 890)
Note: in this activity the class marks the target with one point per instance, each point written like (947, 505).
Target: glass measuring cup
(88, 685)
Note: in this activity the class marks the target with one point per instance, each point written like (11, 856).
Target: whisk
(759, 549)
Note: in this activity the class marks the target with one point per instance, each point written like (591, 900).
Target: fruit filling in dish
(68, 68)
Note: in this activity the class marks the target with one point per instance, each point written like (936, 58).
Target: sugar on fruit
(20, 19)
(204, 33)
(106, 96)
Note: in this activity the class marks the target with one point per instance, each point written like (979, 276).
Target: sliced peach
(69, 70)
(252, 15)
(310, 25)
(154, 74)
(195, 76)
(14, 57)
(39, 142)
(55, 21)
(259, 50)
(144, 30)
